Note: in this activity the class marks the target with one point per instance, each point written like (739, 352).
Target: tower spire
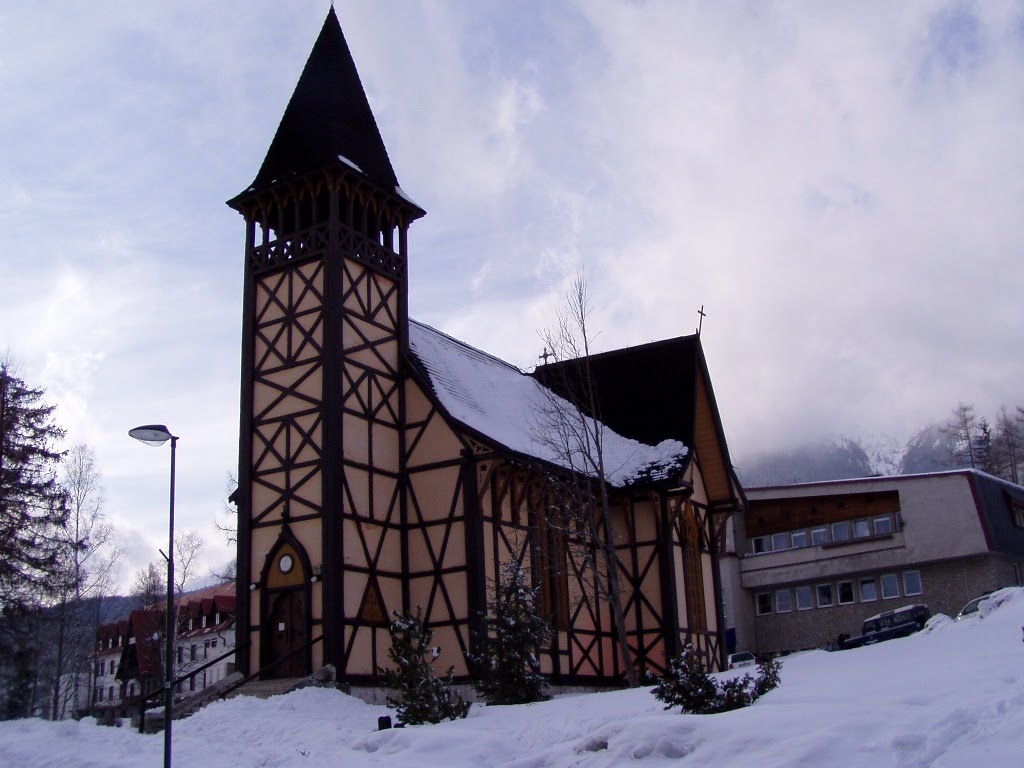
(328, 120)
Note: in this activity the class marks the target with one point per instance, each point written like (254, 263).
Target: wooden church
(385, 466)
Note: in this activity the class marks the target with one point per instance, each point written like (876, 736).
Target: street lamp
(156, 435)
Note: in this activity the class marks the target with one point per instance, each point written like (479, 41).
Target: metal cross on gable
(702, 314)
(545, 356)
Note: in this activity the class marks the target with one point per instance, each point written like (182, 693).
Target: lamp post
(156, 435)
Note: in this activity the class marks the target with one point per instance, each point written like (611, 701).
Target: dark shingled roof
(645, 392)
(327, 116)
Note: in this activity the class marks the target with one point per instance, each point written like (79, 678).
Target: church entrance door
(287, 634)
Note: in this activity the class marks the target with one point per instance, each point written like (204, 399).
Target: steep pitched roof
(328, 119)
(654, 392)
(501, 404)
(646, 392)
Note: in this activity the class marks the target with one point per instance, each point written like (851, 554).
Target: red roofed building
(130, 653)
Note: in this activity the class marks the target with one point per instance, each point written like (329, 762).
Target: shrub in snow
(686, 684)
(423, 697)
(767, 677)
(506, 649)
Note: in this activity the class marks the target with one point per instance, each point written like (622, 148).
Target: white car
(972, 607)
(742, 659)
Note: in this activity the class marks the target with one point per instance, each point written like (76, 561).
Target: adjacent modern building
(808, 563)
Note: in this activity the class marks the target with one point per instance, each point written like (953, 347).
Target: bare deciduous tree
(1008, 444)
(88, 561)
(187, 548)
(961, 429)
(577, 435)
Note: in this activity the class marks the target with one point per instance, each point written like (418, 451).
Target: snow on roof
(500, 402)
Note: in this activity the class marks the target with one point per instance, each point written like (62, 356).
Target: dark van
(891, 624)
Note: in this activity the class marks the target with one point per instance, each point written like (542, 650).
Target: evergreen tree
(982, 447)
(33, 505)
(506, 649)
(768, 676)
(423, 697)
(686, 684)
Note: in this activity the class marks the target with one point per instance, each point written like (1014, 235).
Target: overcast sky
(840, 185)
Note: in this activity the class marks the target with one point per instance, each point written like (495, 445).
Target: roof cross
(702, 314)
(545, 356)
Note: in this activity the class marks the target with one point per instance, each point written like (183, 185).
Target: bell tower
(321, 500)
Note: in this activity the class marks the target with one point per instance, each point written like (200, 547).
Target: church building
(385, 466)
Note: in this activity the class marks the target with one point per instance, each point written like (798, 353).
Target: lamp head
(151, 434)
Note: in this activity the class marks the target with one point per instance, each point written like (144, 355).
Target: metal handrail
(159, 692)
(238, 684)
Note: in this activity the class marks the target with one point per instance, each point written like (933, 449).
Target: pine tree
(686, 684)
(982, 447)
(506, 649)
(33, 505)
(423, 697)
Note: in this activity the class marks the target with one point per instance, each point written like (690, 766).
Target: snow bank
(947, 698)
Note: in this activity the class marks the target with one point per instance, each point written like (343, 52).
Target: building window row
(819, 535)
(867, 589)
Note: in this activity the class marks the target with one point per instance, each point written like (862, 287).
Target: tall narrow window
(550, 570)
(693, 572)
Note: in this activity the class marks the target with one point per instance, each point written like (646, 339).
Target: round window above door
(286, 563)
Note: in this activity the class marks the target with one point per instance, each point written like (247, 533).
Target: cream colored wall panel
(385, 447)
(355, 443)
(358, 483)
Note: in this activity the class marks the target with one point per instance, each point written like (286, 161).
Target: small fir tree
(687, 685)
(423, 697)
(768, 677)
(509, 671)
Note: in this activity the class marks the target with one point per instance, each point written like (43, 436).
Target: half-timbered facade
(384, 466)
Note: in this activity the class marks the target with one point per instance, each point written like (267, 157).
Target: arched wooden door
(286, 604)
(287, 633)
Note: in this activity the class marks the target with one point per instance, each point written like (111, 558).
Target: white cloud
(838, 184)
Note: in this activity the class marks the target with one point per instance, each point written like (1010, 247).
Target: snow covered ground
(952, 695)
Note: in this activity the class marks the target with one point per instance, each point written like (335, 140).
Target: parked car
(890, 624)
(972, 607)
(742, 659)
